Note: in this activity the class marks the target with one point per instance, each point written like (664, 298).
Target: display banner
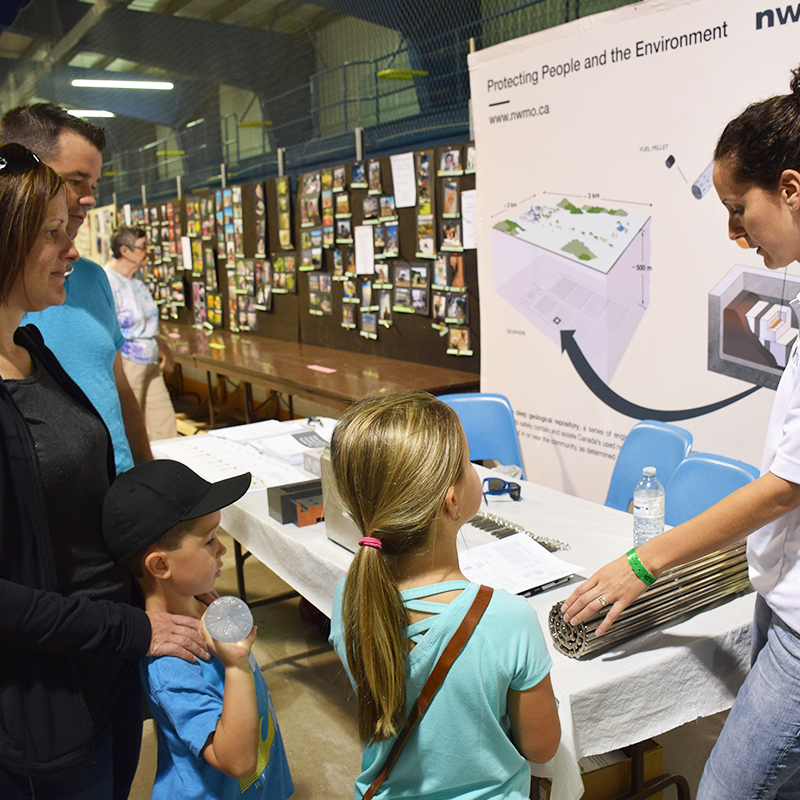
(610, 291)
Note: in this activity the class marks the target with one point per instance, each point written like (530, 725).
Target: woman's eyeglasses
(16, 159)
(499, 486)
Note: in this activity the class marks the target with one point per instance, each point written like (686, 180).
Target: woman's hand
(616, 582)
(175, 635)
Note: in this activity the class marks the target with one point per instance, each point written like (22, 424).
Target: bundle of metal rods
(678, 593)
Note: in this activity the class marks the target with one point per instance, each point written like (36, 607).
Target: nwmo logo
(788, 14)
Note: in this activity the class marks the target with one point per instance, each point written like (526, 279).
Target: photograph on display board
(344, 231)
(459, 339)
(370, 207)
(214, 310)
(378, 242)
(199, 303)
(348, 316)
(439, 307)
(402, 275)
(385, 307)
(358, 176)
(451, 235)
(245, 277)
(244, 322)
(419, 276)
(339, 178)
(424, 205)
(314, 300)
(210, 268)
(388, 210)
(327, 236)
(450, 202)
(419, 300)
(440, 271)
(178, 294)
(327, 199)
(263, 285)
(238, 237)
(338, 264)
(471, 164)
(306, 262)
(374, 177)
(284, 279)
(382, 272)
(349, 261)
(315, 237)
(456, 313)
(391, 241)
(426, 245)
(327, 180)
(402, 299)
(342, 205)
(233, 303)
(316, 257)
(326, 293)
(366, 293)
(349, 291)
(455, 271)
(197, 258)
(450, 162)
(369, 323)
(283, 193)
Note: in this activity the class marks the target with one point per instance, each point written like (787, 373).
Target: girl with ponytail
(757, 755)
(402, 472)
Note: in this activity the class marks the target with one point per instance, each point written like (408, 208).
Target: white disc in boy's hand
(229, 619)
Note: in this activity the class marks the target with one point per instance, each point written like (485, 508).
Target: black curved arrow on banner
(613, 400)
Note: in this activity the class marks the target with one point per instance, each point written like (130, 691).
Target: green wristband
(639, 569)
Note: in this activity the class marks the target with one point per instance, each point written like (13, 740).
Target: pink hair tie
(370, 541)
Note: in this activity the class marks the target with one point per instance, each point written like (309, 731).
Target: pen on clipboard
(544, 587)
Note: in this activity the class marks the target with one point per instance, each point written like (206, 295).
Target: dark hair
(38, 127)
(764, 139)
(171, 540)
(23, 204)
(125, 237)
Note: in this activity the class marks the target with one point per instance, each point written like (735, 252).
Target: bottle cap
(649, 471)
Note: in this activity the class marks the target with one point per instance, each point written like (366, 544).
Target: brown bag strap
(454, 647)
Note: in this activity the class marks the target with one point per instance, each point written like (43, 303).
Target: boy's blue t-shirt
(84, 334)
(186, 701)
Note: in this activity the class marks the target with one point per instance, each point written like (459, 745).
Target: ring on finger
(603, 602)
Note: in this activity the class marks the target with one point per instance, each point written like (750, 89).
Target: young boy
(217, 733)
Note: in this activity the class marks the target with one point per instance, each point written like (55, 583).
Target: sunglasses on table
(16, 159)
(499, 486)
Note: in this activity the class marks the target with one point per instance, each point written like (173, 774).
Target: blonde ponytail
(394, 458)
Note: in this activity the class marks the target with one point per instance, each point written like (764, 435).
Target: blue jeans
(109, 771)
(757, 755)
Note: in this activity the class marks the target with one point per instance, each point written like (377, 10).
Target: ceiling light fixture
(85, 113)
(109, 84)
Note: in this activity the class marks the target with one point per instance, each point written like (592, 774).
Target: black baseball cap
(146, 501)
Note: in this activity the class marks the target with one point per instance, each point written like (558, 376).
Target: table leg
(240, 556)
(640, 789)
(210, 400)
(248, 402)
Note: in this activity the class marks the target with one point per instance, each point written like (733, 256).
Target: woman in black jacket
(70, 629)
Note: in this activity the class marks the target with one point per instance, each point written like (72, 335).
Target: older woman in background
(137, 314)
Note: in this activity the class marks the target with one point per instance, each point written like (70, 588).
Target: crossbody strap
(454, 647)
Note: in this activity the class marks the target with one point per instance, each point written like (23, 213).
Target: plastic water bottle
(229, 619)
(648, 507)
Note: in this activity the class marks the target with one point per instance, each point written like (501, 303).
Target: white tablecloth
(648, 686)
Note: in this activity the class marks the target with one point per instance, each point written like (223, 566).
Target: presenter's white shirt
(773, 552)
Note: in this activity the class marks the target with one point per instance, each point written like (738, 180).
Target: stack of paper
(517, 564)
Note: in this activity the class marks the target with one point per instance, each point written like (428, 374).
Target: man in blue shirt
(83, 332)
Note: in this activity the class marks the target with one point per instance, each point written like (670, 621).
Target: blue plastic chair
(701, 480)
(488, 423)
(649, 444)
